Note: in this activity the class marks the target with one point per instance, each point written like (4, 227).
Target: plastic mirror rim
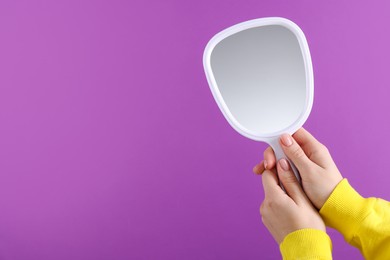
(308, 71)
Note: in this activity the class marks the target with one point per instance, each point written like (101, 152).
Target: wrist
(327, 191)
(345, 209)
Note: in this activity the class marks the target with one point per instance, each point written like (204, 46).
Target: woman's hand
(318, 171)
(285, 213)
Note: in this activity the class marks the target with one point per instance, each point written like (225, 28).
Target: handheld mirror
(261, 76)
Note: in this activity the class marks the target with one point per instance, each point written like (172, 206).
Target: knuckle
(271, 204)
(289, 178)
(321, 151)
(324, 149)
(263, 209)
(267, 204)
(297, 152)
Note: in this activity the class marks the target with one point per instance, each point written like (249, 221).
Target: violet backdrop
(112, 147)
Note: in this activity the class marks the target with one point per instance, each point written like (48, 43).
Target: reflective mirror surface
(260, 74)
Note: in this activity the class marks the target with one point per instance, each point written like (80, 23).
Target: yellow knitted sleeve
(364, 222)
(306, 244)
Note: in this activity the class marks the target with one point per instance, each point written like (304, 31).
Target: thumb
(270, 183)
(296, 154)
(290, 182)
(318, 153)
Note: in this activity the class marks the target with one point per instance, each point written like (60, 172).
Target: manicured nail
(265, 164)
(286, 140)
(284, 164)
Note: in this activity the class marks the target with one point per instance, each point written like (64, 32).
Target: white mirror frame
(308, 70)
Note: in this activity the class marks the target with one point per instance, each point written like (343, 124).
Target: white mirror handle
(279, 154)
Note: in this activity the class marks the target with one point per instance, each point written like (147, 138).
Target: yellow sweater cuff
(306, 244)
(345, 209)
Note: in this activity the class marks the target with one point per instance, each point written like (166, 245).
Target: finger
(269, 158)
(270, 184)
(259, 168)
(315, 151)
(295, 153)
(290, 182)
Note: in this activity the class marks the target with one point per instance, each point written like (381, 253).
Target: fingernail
(286, 140)
(265, 164)
(284, 164)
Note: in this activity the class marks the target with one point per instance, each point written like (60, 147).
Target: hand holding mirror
(261, 76)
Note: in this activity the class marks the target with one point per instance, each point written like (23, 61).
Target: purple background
(112, 147)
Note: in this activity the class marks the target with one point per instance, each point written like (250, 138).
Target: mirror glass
(260, 74)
